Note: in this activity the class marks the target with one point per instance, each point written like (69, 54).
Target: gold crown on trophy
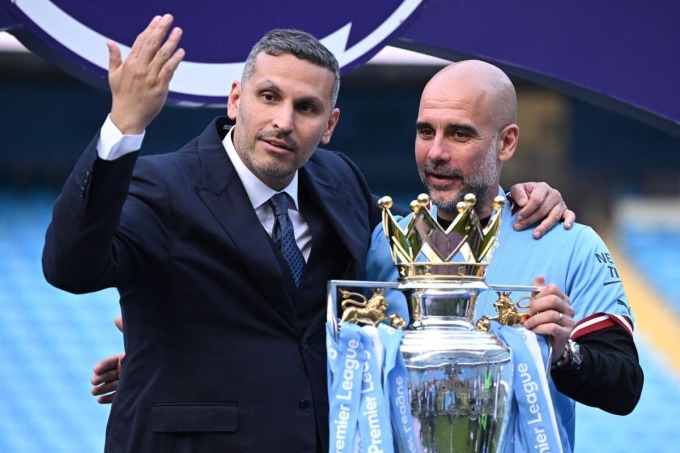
(424, 250)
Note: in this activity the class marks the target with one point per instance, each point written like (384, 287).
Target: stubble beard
(271, 169)
(480, 181)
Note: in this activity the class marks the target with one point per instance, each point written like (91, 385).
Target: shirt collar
(258, 192)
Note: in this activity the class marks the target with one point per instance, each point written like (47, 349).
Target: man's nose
(284, 119)
(439, 151)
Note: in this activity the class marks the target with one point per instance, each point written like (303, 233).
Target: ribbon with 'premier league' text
(365, 420)
(532, 425)
(395, 384)
(374, 423)
(346, 362)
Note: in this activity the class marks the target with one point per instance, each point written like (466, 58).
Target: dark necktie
(284, 236)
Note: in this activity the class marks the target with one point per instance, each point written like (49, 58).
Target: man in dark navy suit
(224, 332)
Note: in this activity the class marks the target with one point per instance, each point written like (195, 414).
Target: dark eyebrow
(453, 128)
(313, 100)
(268, 85)
(450, 128)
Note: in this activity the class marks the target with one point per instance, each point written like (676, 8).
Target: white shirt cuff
(112, 144)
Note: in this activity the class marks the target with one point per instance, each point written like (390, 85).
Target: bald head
(465, 131)
(476, 84)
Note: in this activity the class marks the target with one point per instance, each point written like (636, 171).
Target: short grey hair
(299, 44)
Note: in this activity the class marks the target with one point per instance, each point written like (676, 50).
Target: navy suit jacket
(217, 358)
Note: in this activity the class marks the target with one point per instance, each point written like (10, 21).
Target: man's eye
(308, 108)
(268, 97)
(461, 135)
(425, 133)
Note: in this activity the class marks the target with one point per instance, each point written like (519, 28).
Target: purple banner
(622, 55)
(217, 34)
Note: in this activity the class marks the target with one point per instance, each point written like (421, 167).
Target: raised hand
(140, 84)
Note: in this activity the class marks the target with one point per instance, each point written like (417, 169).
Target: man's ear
(332, 122)
(234, 99)
(508, 142)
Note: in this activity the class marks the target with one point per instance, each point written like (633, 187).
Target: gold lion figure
(371, 311)
(507, 312)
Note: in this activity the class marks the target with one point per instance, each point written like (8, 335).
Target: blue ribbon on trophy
(368, 390)
(345, 368)
(366, 396)
(396, 390)
(532, 425)
(375, 431)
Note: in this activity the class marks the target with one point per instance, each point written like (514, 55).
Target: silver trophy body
(459, 377)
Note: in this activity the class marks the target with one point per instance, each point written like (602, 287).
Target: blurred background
(619, 175)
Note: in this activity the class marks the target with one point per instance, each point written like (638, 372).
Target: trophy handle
(508, 312)
(367, 311)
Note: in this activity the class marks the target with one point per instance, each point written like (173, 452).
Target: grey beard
(479, 185)
(449, 204)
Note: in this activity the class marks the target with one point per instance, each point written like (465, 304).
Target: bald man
(466, 130)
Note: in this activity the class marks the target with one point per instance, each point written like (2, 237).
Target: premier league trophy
(439, 382)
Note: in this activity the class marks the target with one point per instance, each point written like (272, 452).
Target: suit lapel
(223, 193)
(332, 196)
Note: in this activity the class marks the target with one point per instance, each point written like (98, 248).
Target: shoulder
(164, 174)
(580, 244)
(168, 165)
(557, 250)
(578, 235)
(187, 159)
(332, 160)
(334, 169)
